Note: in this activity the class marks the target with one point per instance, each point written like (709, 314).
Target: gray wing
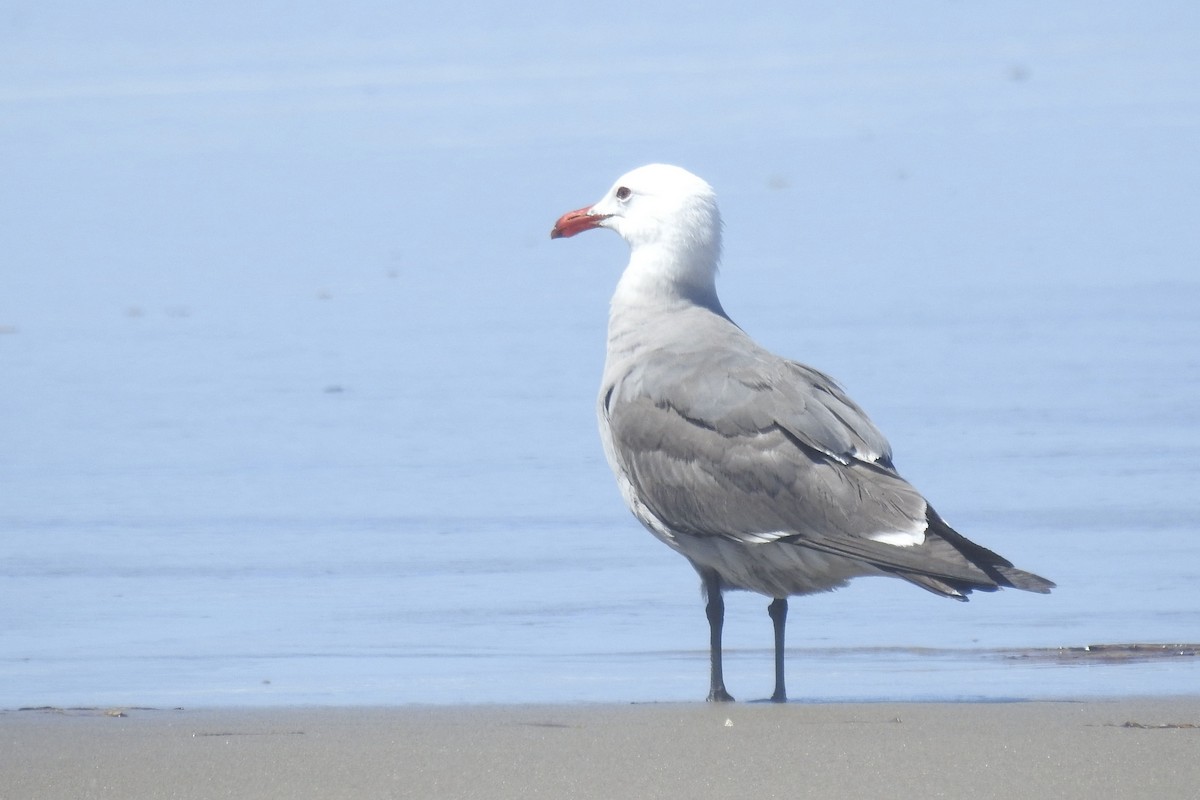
(718, 444)
(740, 444)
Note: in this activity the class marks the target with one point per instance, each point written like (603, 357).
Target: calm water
(296, 394)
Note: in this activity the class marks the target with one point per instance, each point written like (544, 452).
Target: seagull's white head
(670, 219)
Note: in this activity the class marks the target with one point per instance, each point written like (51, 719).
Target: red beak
(574, 222)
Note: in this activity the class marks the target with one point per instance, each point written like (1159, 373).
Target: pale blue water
(296, 394)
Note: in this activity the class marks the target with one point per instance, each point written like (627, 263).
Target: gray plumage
(761, 471)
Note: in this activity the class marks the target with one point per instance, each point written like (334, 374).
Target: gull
(758, 470)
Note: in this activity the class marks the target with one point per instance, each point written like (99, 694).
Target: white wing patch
(899, 538)
(763, 537)
(894, 538)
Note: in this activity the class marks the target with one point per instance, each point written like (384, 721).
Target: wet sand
(1105, 748)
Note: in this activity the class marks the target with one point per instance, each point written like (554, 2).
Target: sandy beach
(1105, 748)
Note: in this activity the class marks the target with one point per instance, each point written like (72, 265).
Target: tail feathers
(999, 569)
(1025, 581)
(1007, 577)
(953, 590)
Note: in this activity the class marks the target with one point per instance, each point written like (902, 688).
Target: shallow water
(297, 395)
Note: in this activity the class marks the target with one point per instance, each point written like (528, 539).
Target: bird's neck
(663, 277)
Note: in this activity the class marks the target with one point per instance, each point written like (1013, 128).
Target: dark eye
(623, 192)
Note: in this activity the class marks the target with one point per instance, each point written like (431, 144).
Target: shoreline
(1137, 746)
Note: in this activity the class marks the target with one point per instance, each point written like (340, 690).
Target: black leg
(715, 610)
(778, 612)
